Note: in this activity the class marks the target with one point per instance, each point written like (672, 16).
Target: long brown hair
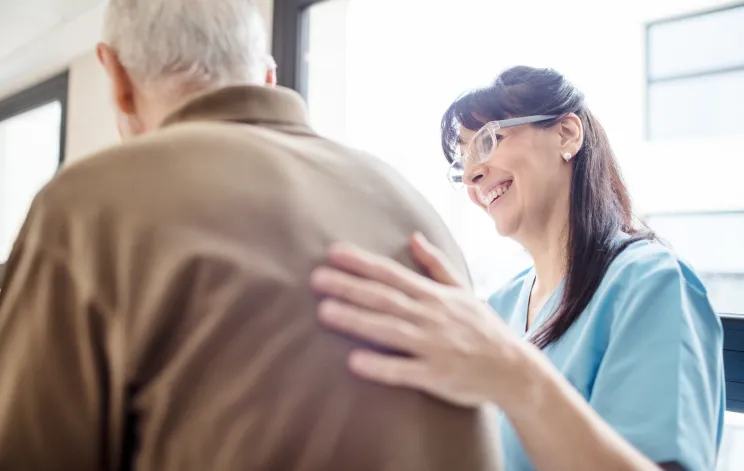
(600, 206)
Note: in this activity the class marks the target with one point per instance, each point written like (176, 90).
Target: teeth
(495, 193)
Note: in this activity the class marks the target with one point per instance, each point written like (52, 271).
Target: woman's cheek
(473, 195)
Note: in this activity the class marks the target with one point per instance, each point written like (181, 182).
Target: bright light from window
(380, 73)
(29, 157)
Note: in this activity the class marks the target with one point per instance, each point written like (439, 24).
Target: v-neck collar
(524, 302)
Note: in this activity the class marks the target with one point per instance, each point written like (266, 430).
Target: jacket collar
(245, 104)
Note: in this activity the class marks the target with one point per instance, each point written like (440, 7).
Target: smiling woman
(588, 196)
(591, 350)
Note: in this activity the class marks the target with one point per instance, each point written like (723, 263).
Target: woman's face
(525, 183)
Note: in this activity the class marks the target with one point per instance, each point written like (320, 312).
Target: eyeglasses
(484, 143)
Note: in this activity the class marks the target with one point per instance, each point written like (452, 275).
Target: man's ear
(270, 72)
(571, 132)
(271, 77)
(121, 84)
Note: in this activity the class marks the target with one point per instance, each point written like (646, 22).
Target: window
(359, 84)
(378, 74)
(732, 451)
(695, 75)
(31, 149)
(709, 241)
(695, 80)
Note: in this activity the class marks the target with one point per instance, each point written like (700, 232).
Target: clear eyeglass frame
(481, 147)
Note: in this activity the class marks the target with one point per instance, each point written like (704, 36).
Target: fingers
(380, 269)
(389, 370)
(367, 294)
(434, 261)
(374, 327)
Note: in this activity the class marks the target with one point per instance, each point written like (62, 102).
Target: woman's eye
(499, 137)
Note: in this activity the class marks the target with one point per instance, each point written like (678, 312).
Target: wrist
(529, 384)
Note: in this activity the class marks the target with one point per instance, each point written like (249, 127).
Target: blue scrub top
(645, 353)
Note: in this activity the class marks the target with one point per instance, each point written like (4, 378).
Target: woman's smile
(492, 193)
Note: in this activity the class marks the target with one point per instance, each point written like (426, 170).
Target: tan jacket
(156, 314)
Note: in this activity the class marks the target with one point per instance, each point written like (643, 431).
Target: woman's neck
(548, 247)
(550, 268)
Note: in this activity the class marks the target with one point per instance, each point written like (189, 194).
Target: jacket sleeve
(51, 376)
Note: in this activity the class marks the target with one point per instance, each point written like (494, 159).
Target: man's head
(158, 53)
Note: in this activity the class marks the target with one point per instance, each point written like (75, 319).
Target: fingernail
(357, 360)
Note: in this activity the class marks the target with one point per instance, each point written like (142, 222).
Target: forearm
(558, 428)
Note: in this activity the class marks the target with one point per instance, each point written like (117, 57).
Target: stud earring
(567, 156)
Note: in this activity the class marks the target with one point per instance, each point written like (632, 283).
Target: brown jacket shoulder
(156, 313)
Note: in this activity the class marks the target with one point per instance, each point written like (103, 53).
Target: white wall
(267, 10)
(51, 52)
(90, 117)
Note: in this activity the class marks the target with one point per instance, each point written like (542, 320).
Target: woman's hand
(460, 350)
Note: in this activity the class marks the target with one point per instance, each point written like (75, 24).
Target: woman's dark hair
(600, 207)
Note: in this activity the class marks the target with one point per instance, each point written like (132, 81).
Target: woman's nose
(473, 174)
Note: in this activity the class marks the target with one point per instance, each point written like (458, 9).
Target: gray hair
(188, 43)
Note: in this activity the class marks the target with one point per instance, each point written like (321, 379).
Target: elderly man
(156, 314)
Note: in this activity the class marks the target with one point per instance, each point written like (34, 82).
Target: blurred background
(665, 78)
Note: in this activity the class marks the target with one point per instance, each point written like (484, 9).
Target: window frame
(48, 91)
(289, 42)
(733, 325)
(680, 215)
(733, 360)
(647, 50)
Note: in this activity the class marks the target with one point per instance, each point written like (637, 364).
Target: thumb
(434, 262)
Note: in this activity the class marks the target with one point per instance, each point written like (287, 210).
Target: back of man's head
(159, 52)
(188, 43)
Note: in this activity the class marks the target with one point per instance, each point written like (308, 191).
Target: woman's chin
(505, 227)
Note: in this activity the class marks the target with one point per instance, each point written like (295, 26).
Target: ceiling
(38, 37)
(22, 21)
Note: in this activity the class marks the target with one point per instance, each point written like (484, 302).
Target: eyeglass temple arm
(506, 123)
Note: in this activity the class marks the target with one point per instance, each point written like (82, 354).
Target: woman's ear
(571, 132)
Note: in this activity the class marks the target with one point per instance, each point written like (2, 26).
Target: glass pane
(29, 157)
(385, 93)
(697, 44)
(714, 245)
(324, 66)
(697, 107)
